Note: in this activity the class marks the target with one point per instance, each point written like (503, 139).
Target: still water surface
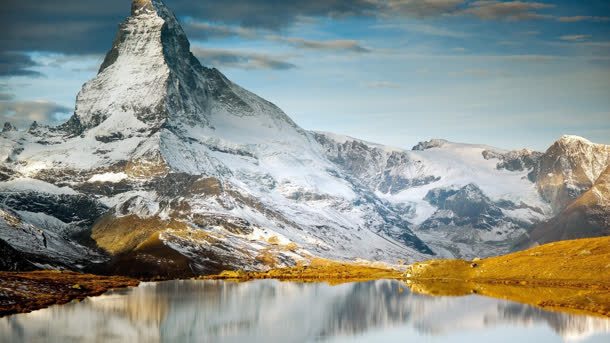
(273, 311)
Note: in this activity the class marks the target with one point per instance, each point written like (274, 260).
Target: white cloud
(340, 44)
(241, 59)
(574, 38)
(507, 10)
(382, 85)
(23, 113)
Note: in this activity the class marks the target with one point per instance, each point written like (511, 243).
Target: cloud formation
(23, 113)
(507, 10)
(204, 30)
(382, 85)
(85, 27)
(16, 64)
(574, 38)
(340, 44)
(240, 59)
(419, 8)
(209, 30)
(579, 18)
(270, 14)
(6, 96)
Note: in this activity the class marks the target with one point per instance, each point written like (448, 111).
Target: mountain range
(167, 168)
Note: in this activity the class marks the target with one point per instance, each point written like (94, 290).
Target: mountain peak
(571, 139)
(149, 63)
(150, 79)
(141, 6)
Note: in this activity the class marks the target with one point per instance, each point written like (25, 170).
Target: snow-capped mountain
(460, 198)
(168, 168)
(569, 168)
(178, 166)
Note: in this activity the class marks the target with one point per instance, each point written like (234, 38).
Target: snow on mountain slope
(494, 206)
(447, 165)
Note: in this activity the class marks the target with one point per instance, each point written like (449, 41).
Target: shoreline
(23, 292)
(30, 291)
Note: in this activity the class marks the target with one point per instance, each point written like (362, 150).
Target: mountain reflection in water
(272, 311)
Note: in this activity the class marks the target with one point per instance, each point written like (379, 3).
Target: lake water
(273, 311)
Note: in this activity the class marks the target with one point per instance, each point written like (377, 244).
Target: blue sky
(511, 74)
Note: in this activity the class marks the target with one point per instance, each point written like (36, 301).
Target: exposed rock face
(465, 206)
(39, 240)
(433, 143)
(8, 127)
(142, 6)
(572, 175)
(13, 260)
(385, 170)
(518, 160)
(78, 209)
(466, 216)
(569, 168)
(459, 202)
(587, 216)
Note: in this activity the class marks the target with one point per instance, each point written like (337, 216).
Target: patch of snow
(33, 185)
(108, 177)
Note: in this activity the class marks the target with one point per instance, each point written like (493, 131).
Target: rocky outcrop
(587, 216)
(518, 160)
(384, 170)
(569, 168)
(465, 206)
(8, 127)
(433, 143)
(13, 260)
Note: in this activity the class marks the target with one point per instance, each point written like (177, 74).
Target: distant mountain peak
(570, 167)
(571, 139)
(433, 143)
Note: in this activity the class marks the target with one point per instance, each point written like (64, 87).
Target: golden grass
(319, 270)
(196, 235)
(123, 234)
(566, 263)
(571, 276)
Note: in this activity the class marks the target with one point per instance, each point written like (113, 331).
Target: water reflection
(271, 311)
